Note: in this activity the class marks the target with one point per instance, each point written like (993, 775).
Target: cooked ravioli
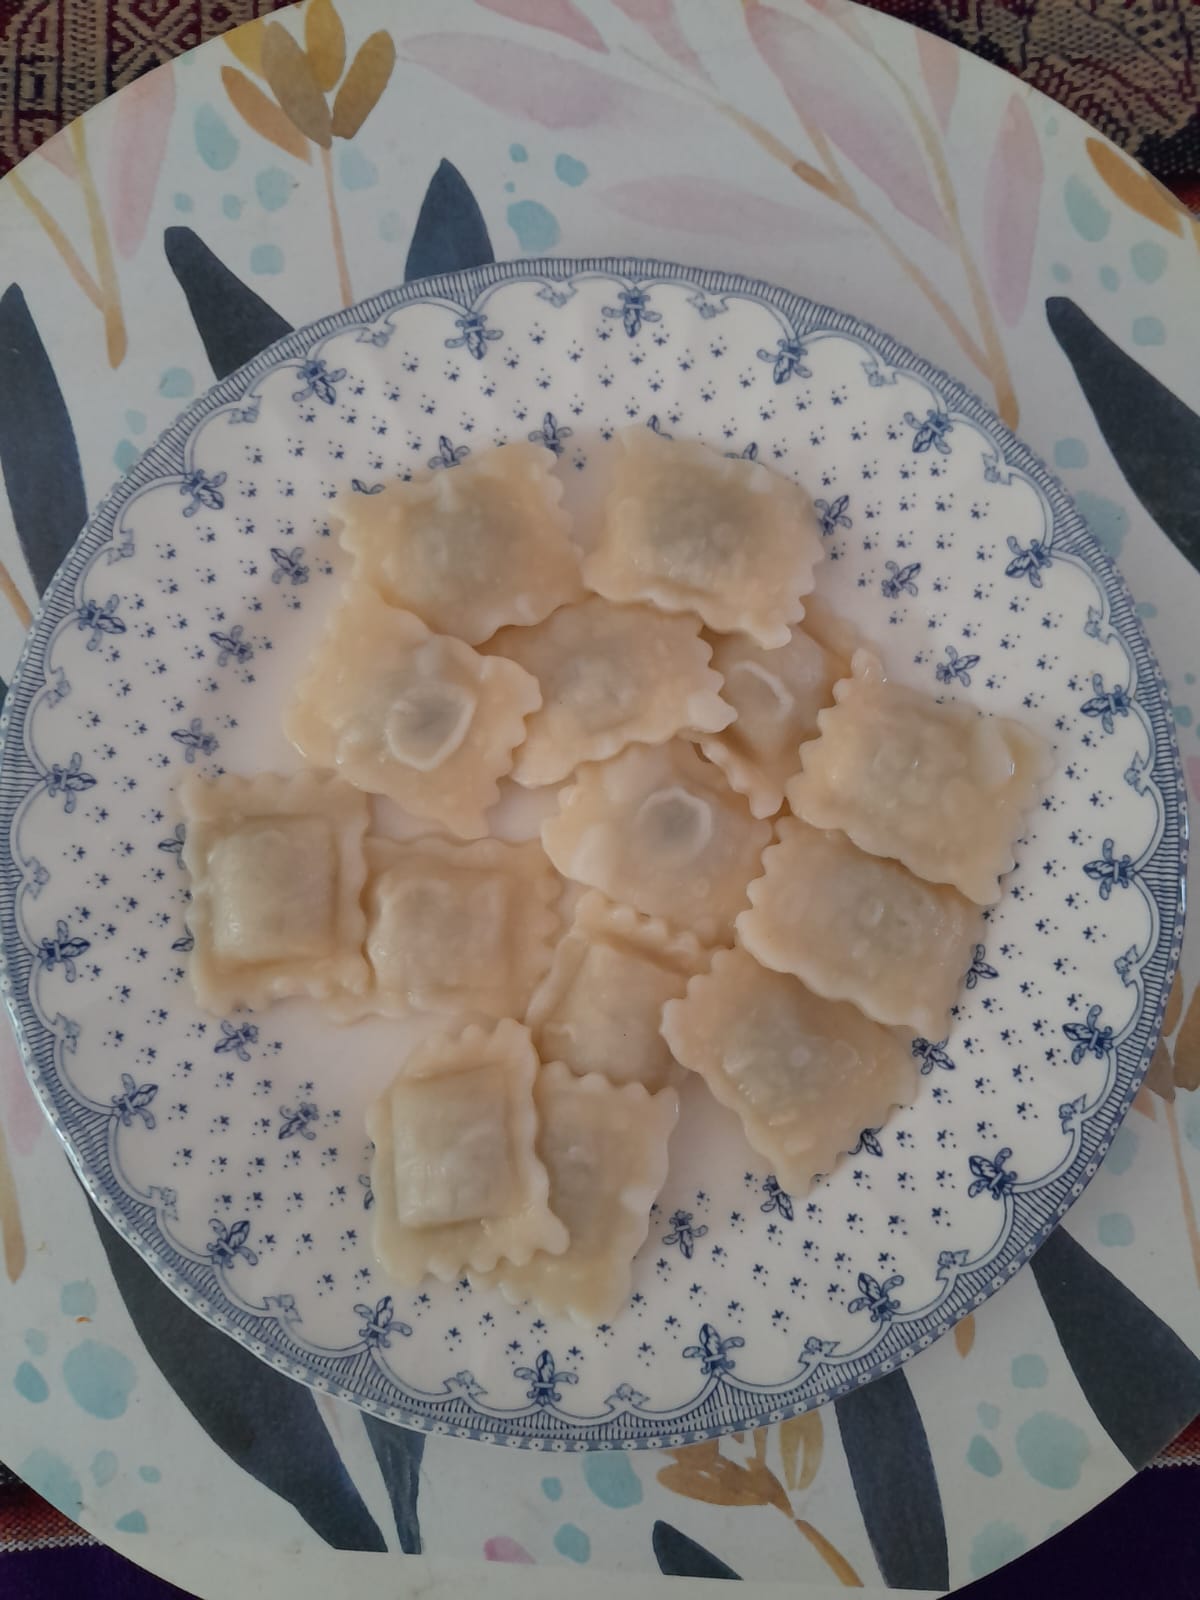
(598, 1008)
(610, 676)
(414, 715)
(658, 829)
(805, 1075)
(470, 548)
(856, 927)
(276, 867)
(936, 786)
(690, 530)
(455, 1174)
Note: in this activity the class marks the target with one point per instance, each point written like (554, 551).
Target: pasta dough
(805, 1075)
(855, 927)
(470, 548)
(605, 1149)
(417, 716)
(276, 867)
(455, 1175)
(658, 829)
(938, 787)
(598, 1008)
(777, 695)
(692, 530)
(610, 676)
(457, 927)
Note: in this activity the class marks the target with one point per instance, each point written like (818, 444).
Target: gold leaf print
(324, 43)
(293, 83)
(801, 1441)
(259, 111)
(701, 1472)
(831, 1555)
(1187, 1047)
(964, 1336)
(363, 84)
(1133, 185)
(1174, 1006)
(246, 43)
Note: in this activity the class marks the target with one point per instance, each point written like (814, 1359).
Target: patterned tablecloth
(191, 220)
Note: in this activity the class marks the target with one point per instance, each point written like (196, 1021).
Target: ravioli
(605, 1149)
(276, 867)
(776, 695)
(414, 715)
(936, 786)
(470, 548)
(455, 1174)
(856, 927)
(658, 829)
(610, 676)
(691, 530)
(598, 1008)
(805, 1075)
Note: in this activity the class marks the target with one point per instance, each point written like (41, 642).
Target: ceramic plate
(230, 1151)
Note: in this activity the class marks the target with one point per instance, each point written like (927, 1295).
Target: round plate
(230, 1152)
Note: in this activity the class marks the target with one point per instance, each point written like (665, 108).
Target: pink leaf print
(660, 22)
(828, 92)
(20, 1113)
(502, 1548)
(558, 16)
(939, 68)
(1010, 209)
(700, 205)
(139, 142)
(548, 89)
(57, 151)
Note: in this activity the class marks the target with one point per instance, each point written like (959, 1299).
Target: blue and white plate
(231, 1152)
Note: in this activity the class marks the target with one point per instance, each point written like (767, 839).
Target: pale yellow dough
(417, 716)
(805, 1075)
(859, 928)
(598, 1008)
(470, 548)
(455, 1174)
(936, 786)
(277, 868)
(610, 676)
(691, 530)
(659, 829)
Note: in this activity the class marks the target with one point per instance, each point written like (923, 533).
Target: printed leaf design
(265, 1422)
(939, 67)
(695, 205)
(258, 111)
(232, 321)
(1153, 436)
(141, 119)
(399, 1451)
(701, 1472)
(39, 459)
(825, 90)
(363, 84)
(294, 84)
(324, 43)
(246, 43)
(964, 1336)
(895, 1483)
(681, 1557)
(57, 151)
(661, 23)
(1187, 1044)
(1133, 185)
(557, 16)
(1138, 1376)
(1010, 209)
(450, 233)
(801, 1442)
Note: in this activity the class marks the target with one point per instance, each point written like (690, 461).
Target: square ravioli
(610, 676)
(658, 829)
(600, 1005)
(938, 787)
(457, 927)
(805, 1075)
(605, 1149)
(277, 868)
(856, 927)
(470, 548)
(455, 1174)
(417, 716)
(691, 530)
(776, 695)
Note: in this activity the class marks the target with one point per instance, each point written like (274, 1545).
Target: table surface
(189, 221)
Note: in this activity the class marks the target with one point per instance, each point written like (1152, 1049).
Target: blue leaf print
(450, 233)
(233, 322)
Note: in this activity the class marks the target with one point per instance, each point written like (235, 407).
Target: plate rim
(727, 1404)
